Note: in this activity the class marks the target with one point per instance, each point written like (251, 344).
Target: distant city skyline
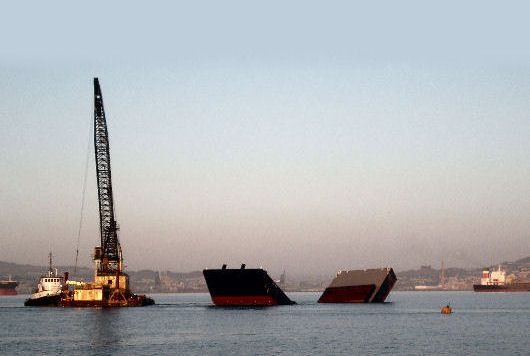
(295, 137)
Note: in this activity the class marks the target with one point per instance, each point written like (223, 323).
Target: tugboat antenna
(50, 269)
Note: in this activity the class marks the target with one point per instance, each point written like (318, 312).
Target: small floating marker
(446, 310)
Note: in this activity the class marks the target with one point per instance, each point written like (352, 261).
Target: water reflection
(103, 329)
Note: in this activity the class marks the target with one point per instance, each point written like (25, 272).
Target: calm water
(410, 323)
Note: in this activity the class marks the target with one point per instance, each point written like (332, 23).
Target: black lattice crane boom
(109, 253)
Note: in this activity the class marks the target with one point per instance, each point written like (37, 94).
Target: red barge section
(360, 286)
(243, 287)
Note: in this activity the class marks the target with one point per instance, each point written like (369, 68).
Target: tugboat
(49, 289)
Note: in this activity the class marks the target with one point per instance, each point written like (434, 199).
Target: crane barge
(111, 284)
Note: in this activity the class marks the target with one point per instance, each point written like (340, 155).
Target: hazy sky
(309, 137)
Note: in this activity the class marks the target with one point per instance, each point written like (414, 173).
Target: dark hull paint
(514, 287)
(353, 294)
(48, 301)
(242, 287)
(385, 288)
(254, 300)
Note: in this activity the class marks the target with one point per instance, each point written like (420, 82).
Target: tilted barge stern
(360, 286)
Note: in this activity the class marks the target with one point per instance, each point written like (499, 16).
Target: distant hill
(149, 281)
(522, 261)
(141, 281)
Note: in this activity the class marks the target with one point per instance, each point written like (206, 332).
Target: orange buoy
(446, 310)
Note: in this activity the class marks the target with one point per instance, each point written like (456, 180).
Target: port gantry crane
(107, 257)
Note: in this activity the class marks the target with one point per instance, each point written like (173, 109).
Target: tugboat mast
(108, 255)
(50, 268)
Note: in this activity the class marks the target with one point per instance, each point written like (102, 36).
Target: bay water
(409, 323)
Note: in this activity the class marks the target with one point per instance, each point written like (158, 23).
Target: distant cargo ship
(243, 287)
(495, 281)
(8, 287)
(360, 286)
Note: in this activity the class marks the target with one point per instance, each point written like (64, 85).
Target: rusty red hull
(8, 287)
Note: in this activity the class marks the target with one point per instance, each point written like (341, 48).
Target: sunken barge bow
(243, 287)
(360, 286)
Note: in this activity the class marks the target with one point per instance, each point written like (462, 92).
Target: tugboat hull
(47, 301)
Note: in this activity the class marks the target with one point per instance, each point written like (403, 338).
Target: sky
(303, 136)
